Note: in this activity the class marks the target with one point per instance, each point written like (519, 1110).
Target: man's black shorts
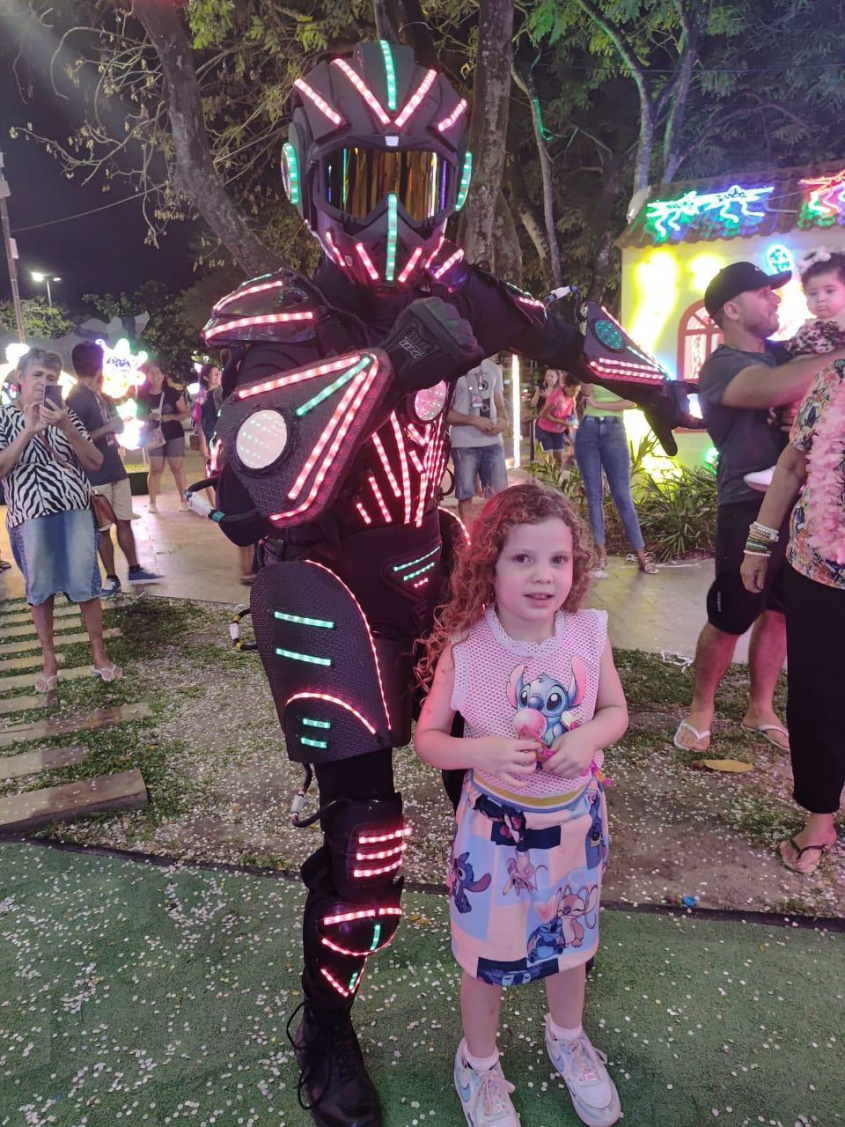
(730, 608)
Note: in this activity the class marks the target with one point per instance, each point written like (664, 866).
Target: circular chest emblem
(609, 334)
(262, 439)
(429, 402)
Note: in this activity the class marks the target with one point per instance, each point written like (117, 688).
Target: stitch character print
(544, 706)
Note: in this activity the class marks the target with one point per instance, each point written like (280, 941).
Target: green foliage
(39, 320)
(678, 513)
(169, 334)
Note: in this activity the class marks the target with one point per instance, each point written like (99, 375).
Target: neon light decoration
(452, 260)
(309, 723)
(825, 204)
(389, 73)
(381, 855)
(337, 986)
(365, 516)
(374, 946)
(778, 259)
(290, 173)
(368, 262)
(391, 477)
(385, 512)
(379, 871)
(321, 104)
(313, 743)
(120, 367)
(516, 410)
(325, 623)
(248, 292)
(363, 89)
(364, 914)
(333, 248)
(732, 207)
(430, 401)
(409, 266)
(449, 121)
(337, 701)
(299, 377)
(369, 839)
(266, 319)
(416, 98)
(292, 655)
(390, 256)
(336, 385)
(463, 187)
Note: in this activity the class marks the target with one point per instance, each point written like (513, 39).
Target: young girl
(534, 679)
(823, 281)
(556, 416)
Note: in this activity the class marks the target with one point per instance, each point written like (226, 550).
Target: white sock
(480, 1064)
(561, 1034)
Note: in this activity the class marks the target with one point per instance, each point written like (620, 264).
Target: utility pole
(11, 250)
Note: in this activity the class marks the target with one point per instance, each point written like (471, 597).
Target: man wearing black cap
(744, 378)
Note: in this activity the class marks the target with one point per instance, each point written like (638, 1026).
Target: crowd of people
(513, 653)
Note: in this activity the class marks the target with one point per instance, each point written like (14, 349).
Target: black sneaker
(334, 1084)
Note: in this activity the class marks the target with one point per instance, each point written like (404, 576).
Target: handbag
(103, 511)
(153, 438)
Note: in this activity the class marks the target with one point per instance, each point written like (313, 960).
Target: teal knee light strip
(300, 620)
(309, 658)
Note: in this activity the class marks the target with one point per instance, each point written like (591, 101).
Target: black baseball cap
(738, 278)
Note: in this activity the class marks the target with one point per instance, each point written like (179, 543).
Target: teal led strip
(326, 623)
(390, 74)
(315, 723)
(294, 191)
(390, 258)
(463, 187)
(310, 658)
(418, 560)
(332, 388)
(313, 743)
(376, 936)
(419, 571)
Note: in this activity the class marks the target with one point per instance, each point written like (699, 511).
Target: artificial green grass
(136, 994)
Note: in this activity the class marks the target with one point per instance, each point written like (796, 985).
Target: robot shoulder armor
(277, 308)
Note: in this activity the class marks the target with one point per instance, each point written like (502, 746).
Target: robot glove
(430, 342)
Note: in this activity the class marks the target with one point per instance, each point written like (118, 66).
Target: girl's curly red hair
(471, 584)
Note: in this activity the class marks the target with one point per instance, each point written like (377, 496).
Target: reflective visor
(358, 180)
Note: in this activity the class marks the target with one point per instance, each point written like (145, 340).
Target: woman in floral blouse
(811, 470)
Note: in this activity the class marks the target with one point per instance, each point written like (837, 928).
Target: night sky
(103, 252)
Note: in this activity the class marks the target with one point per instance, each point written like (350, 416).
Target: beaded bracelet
(754, 552)
(772, 535)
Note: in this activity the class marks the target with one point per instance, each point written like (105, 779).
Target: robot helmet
(376, 161)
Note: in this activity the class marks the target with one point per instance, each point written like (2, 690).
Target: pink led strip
(334, 982)
(365, 914)
(432, 458)
(321, 103)
(409, 266)
(333, 248)
(418, 96)
(365, 516)
(421, 582)
(450, 261)
(435, 252)
(356, 954)
(532, 301)
(385, 512)
(313, 563)
(419, 436)
(333, 700)
(405, 831)
(412, 454)
(428, 466)
(391, 477)
(363, 89)
(380, 871)
(297, 377)
(368, 262)
(339, 412)
(406, 476)
(455, 517)
(267, 319)
(247, 293)
(449, 121)
(382, 854)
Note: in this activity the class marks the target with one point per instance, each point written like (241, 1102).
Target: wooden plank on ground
(24, 704)
(24, 680)
(59, 640)
(27, 628)
(13, 618)
(69, 801)
(46, 758)
(82, 722)
(31, 661)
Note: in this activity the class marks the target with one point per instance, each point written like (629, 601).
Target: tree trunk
(603, 223)
(507, 253)
(387, 19)
(527, 86)
(489, 128)
(194, 174)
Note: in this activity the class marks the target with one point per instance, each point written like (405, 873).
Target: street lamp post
(37, 276)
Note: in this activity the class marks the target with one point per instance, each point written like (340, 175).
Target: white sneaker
(485, 1096)
(598, 573)
(152, 507)
(582, 1067)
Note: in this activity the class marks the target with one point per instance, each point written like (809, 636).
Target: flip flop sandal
(800, 851)
(649, 568)
(108, 673)
(46, 684)
(764, 729)
(698, 736)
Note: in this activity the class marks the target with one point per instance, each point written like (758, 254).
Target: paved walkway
(651, 613)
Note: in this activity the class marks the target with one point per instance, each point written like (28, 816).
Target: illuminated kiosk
(685, 232)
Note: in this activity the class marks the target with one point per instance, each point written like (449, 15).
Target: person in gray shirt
(739, 384)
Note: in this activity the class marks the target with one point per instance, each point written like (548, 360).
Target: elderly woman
(812, 470)
(44, 453)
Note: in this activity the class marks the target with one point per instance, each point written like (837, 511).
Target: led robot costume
(334, 442)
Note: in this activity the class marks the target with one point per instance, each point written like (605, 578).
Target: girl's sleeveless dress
(526, 865)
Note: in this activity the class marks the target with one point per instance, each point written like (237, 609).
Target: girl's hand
(753, 572)
(573, 752)
(512, 760)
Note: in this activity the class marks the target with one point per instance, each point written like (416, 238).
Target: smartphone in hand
(53, 395)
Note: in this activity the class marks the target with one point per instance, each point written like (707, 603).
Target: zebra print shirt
(37, 485)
